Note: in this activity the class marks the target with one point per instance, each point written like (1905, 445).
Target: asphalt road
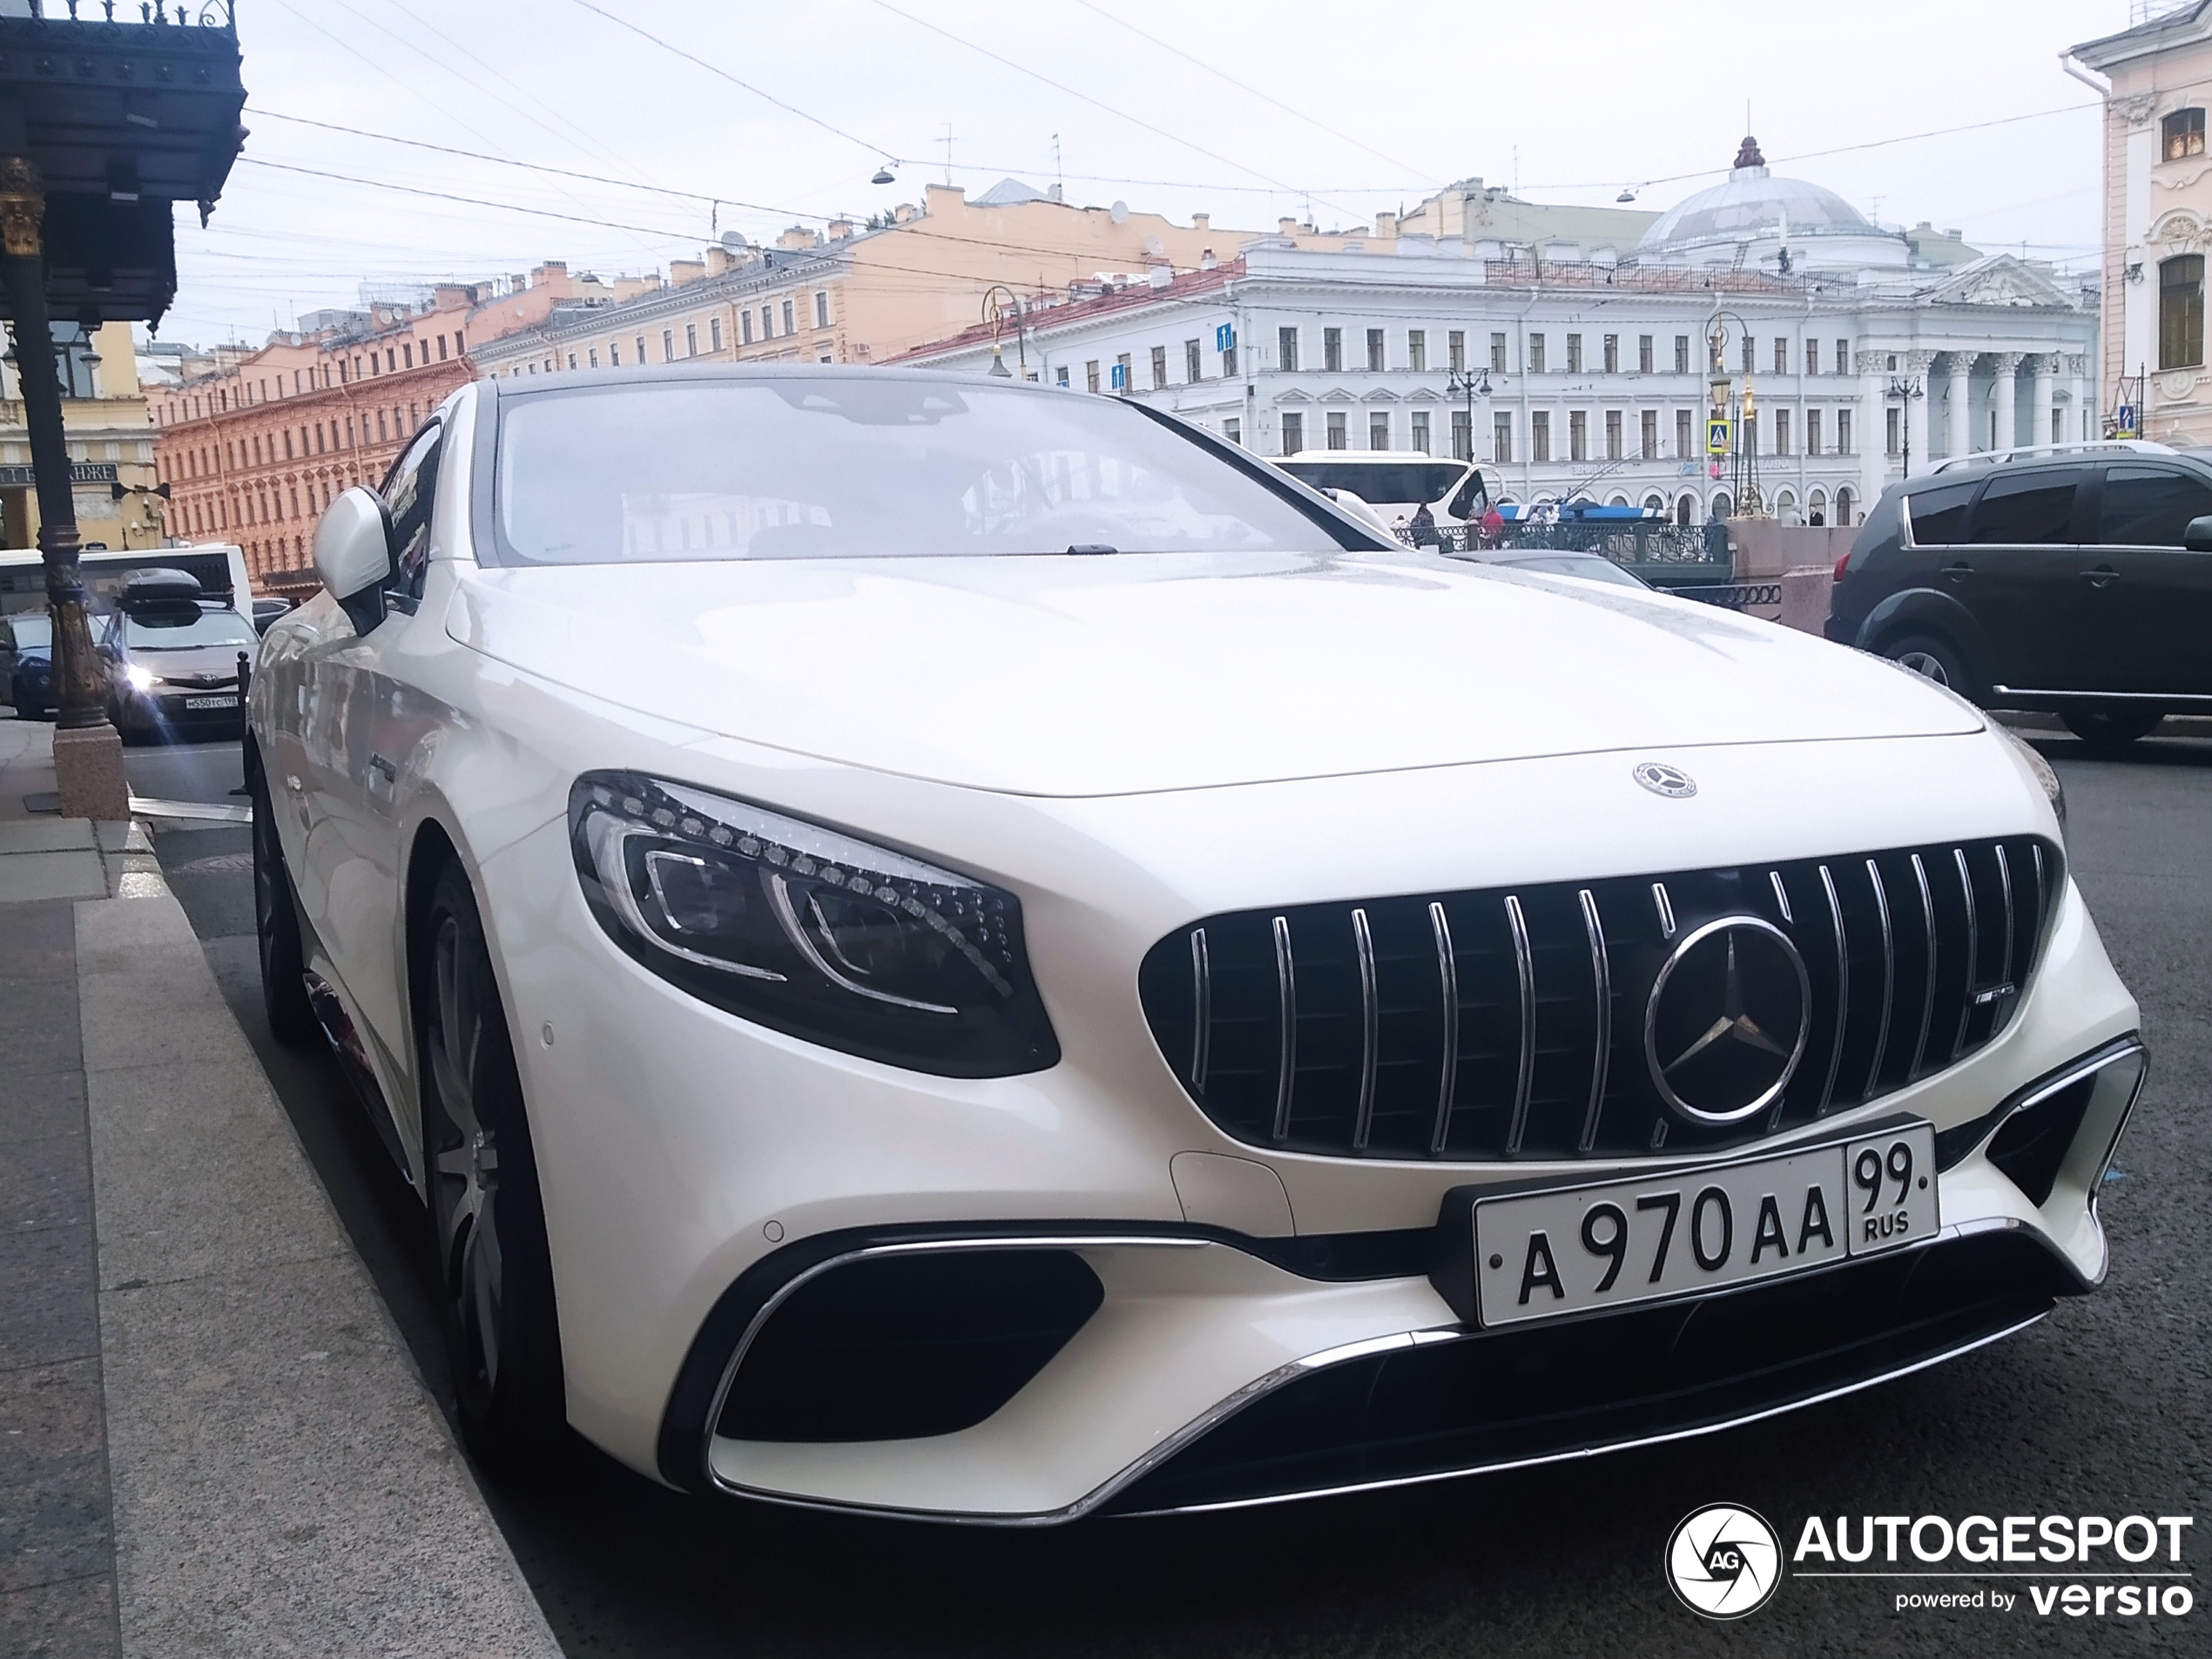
(2105, 1408)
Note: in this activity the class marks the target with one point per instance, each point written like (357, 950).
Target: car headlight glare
(810, 931)
(141, 679)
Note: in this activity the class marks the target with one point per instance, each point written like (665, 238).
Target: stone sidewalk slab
(282, 1481)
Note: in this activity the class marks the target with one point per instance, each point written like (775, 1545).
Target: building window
(591, 356)
(1681, 353)
(1228, 360)
(1377, 429)
(1578, 436)
(1335, 426)
(1194, 361)
(1501, 439)
(668, 345)
(1417, 349)
(1462, 437)
(1781, 354)
(1843, 447)
(1648, 435)
(1293, 434)
(1455, 348)
(1374, 351)
(1497, 353)
(1090, 375)
(1333, 350)
(2183, 131)
(821, 308)
(1644, 353)
(714, 334)
(1536, 354)
(1751, 350)
(1574, 354)
(745, 327)
(1128, 379)
(614, 353)
(1782, 432)
(1159, 366)
(1233, 429)
(690, 340)
(1684, 448)
(1889, 441)
(1286, 350)
(1843, 366)
(1419, 421)
(1060, 377)
(1539, 435)
(767, 322)
(1812, 432)
(1812, 357)
(639, 343)
(791, 313)
(2181, 308)
(1613, 435)
(1612, 353)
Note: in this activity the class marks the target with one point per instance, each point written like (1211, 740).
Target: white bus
(1397, 482)
(220, 568)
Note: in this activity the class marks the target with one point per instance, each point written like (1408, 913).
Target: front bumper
(697, 1165)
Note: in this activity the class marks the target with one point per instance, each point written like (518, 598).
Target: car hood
(1112, 675)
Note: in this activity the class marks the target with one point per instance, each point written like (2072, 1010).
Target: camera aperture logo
(1724, 1561)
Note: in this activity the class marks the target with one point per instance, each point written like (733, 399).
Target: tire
(276, 928)
(503, 1337)
(2110, 730)
(1932, 656)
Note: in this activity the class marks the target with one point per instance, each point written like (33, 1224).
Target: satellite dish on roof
(731, 241)
(1120, 212)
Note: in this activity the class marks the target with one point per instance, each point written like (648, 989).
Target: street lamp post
(1458, 383)
(995, 310)
(1904, 388)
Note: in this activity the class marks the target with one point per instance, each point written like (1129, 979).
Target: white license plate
(1573, 1249)
(211, 702)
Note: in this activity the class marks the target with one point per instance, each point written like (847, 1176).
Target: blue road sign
(1224, 337)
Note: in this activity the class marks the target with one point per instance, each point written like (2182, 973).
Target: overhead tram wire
(1242, 86)
(1062, 87)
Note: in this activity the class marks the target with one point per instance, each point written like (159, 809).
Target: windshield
(875, 466)
(1391, 481)
(1588, 566)
(32, 631)
(166, 629)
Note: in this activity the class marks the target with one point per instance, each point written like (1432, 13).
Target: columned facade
(2004, 401)
(1917, 364)
(1959, 406)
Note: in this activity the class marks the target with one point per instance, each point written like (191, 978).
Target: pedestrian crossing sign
(1717, 437)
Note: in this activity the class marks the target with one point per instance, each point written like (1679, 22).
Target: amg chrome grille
(1511, 1023)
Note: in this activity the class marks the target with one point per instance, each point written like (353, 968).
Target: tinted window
(2026, 509)
(2150, 507)
(868, 465)
(181, 628)
(1940, 516)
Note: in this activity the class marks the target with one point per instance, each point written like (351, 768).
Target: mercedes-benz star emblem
(1727, 1020)
(1663, 779)
(1724, 1561)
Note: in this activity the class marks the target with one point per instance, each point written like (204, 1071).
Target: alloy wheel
(465, 1165)
(1924, 663)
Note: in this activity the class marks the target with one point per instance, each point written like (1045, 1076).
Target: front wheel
(1932, 658)
(501, 1330)
(2109, 731)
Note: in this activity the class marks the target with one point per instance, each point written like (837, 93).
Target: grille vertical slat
(1447, 975)
(1525, 968)
(1286, 992)
(1483, 1026)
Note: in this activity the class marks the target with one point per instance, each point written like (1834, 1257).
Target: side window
(408, 493)
(2027, 509)
(2149, 506)
(1940, 516)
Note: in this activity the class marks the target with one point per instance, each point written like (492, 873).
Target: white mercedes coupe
(971, 951)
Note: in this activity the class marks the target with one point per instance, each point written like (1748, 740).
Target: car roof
(693, 374)
(1971, 469)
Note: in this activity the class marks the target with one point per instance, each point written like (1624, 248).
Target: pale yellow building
(2156, 79)
(110, 442)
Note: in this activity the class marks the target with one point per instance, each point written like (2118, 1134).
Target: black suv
(2076, 580)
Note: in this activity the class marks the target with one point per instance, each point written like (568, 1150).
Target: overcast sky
(1247, 110)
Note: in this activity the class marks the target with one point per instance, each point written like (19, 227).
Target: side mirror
(2197, 538)
(353, 555)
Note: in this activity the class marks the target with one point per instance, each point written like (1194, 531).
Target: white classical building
(1581, 367)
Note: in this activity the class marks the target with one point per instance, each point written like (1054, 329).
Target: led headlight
(808, 931)
(141, 679)
(2053, 791)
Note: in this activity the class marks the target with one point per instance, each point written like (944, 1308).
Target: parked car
(26, 664)
(965, 949)
(170, 660)
(267, 610)
(2074, 579)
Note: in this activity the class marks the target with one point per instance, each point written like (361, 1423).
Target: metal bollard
(245, 680)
